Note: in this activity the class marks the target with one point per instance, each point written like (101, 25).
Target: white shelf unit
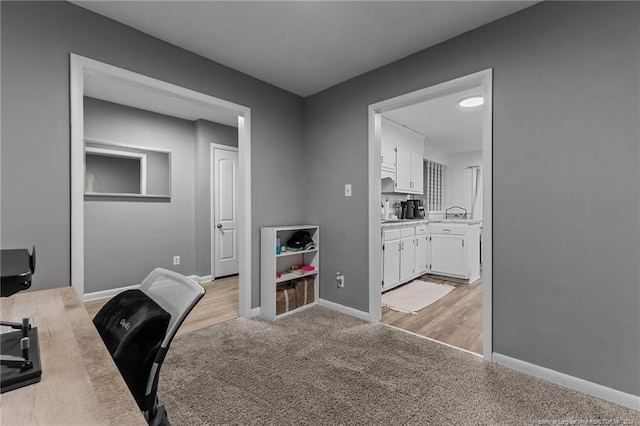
(271, 263)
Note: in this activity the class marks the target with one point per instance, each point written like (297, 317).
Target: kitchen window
(434, 185)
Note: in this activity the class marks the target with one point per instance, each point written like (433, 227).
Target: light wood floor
(456, 319)
(219, 304)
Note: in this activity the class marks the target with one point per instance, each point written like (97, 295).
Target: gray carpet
(322, 367)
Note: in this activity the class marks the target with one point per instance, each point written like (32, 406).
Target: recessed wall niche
(119, 170)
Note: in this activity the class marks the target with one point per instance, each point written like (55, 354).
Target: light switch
(347, 190)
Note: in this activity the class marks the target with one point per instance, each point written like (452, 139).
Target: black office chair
(137, 326)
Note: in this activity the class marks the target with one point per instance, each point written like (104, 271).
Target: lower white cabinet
(422, 250)
(407, 258)
(404, 254)
(448, 255)
(455, 250)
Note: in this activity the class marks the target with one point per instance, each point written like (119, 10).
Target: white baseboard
(608, 394)
(114, 291)
(200, 280)
(344, 309)
(255, 312)
(107, 293)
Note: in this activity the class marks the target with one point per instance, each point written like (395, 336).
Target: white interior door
(225, 215)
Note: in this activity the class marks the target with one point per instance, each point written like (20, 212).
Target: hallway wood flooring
(456, 319)
(219, 304)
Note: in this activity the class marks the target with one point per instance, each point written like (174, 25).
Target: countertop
(411, 222)
(403, 222)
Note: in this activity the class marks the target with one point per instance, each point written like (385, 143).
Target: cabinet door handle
(462, 243)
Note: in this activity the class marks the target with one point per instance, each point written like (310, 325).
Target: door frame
(79, 66)
(483, 79)
(212, 182)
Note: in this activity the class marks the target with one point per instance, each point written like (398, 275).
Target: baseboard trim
(580, 385)
(114, 291)
(255, 312)
(107, 293)
(344, 309)
(200, 280)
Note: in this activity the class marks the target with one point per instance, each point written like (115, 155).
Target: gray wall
(37, 38)
(114, 174)
(206, 134)
(125, 239)
(565, 161)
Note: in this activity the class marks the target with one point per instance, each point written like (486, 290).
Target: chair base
(160, 418)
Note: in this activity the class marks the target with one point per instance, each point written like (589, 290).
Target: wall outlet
(347, 190)
(176, 260)
(339, 280)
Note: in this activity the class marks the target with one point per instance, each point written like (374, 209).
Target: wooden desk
(80, 383)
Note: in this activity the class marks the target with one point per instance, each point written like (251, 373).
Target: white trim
(212, 216)
(108, 293)
(244, 212)
(483, 79)
(487, 215)
(128, 146)
(254, 312)
(571, 382)
(76, 93)
(199, 279)
(344, 309)
(115, 291)
(80, 65)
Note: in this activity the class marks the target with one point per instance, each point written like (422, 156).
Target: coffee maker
(412, 209)
(407, 209)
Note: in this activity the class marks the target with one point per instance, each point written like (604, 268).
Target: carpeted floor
(321, 367)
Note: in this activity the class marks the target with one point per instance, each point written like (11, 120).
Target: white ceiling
(448, 128)
(304, 46)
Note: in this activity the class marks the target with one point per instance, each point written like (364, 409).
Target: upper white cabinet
(402, 152)
(409, 171)
(417, 173)
(388, 157)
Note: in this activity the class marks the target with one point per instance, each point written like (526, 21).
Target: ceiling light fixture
(472, 101)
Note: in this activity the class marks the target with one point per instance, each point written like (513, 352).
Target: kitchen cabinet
(388, 157)
(455, 250)
(404, 254)
(409, 171)
(391, 263)
(407, 254)
(421, 252)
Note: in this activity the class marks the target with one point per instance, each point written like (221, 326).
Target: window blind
(434, 185)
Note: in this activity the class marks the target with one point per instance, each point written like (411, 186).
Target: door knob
(219, 226)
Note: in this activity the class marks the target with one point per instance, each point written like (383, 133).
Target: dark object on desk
(137, 326)
(13, 378)
(20, 357)
(17, 267)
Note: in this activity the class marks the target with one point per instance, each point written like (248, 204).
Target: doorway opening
(94, 79)
(452, 190)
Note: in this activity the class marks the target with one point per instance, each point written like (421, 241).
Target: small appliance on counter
(411, 209)
(407, 209)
